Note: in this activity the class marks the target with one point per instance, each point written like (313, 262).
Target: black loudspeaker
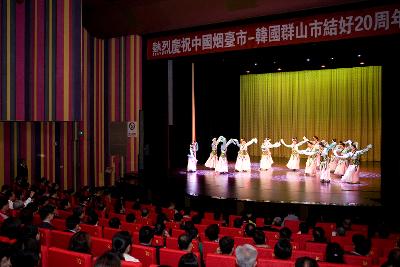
(118, 138)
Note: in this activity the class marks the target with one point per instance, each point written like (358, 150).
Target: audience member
(260, 239)
(185, 243)
(80, 242)
(393, 259)
(189, 260)
(246, 256)
(108, 259)
(334, 253)
(121, 245)
(146, 235)
(283, 249)
(319, 235)
(212, 232)
(72, 224)
(114, 223)
(226, 245)
(306, 262)
(250, 229)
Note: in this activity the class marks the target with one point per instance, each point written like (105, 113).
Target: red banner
(332, 26)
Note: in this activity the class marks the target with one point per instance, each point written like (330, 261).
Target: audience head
(78, 212)
(226, 245)
(193, 233)
(246, 256)
(159, 229)
(145, 235)
(114, 223)
(285, 233)
(108, 259)
(318, 235)
(393, 259)
(362, 245)
(130, 218)
(306, 262)
(121, 243)
(145, 213)
(80, 242)
(93, 218)
(283, 249)
(47, 212)
(10, 228)
(185, 242)
(237, 223)
(188, 260)
(340, 231)
(334, 253)
(259, 238)
(64, 204)
(303, 227)
(250, 229)
(178, 217)
(72, 224)
(212, 232)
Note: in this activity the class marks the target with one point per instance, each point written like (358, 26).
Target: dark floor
(280, 185)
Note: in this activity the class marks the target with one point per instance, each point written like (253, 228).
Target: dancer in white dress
(266, 158)
(243, 160)
(222, 165)
(343, 162)
(213, 158)
(311, 163)
(335, 160)
(352, 173)
(294, 161)
(192, 160)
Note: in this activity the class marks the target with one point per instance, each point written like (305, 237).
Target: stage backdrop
(340, 103)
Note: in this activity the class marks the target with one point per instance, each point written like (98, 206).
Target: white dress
(294, 161)
(311, 163)
(343, 163)
(192, 160)
(352, 173)
(266, 158)
(243, 160)
(324, 171)
(213, 158)
(222, 164)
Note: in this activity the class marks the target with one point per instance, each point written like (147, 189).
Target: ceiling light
(362, 63)
(308, 60)
(332, 58)
(255, 64)
(322, 66)
(279, 69)
(247, 71)
(359, 55)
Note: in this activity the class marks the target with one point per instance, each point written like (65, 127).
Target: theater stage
(281, 185)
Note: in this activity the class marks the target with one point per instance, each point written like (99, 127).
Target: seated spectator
(146, 235)
(285, 233)
(226, 245)
(303, 228)
(277, 222)
(78, 212)
(108, 259)
(334, 253)
(10, 228)
(64, 205)
(178, 217)
(306, 262)
(121, 245)
(283, 249)
(80, 242)
(290, 217)
(119, 207)
(246, 256)
(72, 224)
(26, 216)
(185, 243)
(92, 217)
(159, 230)
(145, 213)
(193, 233)
(248, 217)
(189, 260)
(130, 218)
(346, 224)
(47, 215)
(260, 239)
(318, 235)
(340, 231)
(238, 223)
(4, 207)
(393, 259)
(114, 223)
(212, 232)
(361, 245)
(250, 229)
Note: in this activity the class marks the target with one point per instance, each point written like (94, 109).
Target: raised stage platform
(281, 185)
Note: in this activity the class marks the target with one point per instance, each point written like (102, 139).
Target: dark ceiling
(110, 18)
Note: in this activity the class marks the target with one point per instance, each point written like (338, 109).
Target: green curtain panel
(340, 103)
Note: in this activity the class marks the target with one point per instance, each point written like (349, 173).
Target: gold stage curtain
(340, 103)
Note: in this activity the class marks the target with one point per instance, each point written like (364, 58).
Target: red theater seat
(59, 224)
(230, 231)
(232, 219)
(146, 255)
(201, 228)
(108, 232)
(177, 232)
(381, 244)
(260, 222)
(158, 241)
(169, 213)
(220, 260)
(301, 239)
(121, 217)
(92, 230)
(271, 236)
(173, 225)
(328, 228)
(209, 247)
(171, 242)
(265, 253)
(44, 257)
(318, 256)
(64, 258)
(100, 245)
(342, 240)
(328, 264)
(130, 227)
(358, 260)
(171, 256)
(209, 216)
(103, 222)
(60, 239)
(64, 214)
(274, 263)
(44, 236)
(316, 247)
(130, 264)
(293, 225)
(4, 239)
(243, 240)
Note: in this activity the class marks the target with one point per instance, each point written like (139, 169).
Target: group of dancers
(341, 159)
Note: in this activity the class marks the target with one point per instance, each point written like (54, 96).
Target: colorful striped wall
(113, 69)
(40, 55)
(49, 148)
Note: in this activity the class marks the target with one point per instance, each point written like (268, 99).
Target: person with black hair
(283, 249)
(92, 217)
(188, 260)
(319, 235)
(212, 232)
(159, 230)
(306, 262)
(47, 215)
(361, 244)
(64, 204)
(303, 228)
(80, 242)
(393, 259)
(146, 235)
(185, 243)
(130, 218)
(72, 224)
(114, 223)
(121, 245)
(79, 212)
(334, 253)
(108, 259)
(285, 232)
(238, 223)
(226, 245)
(250, 229)
(260, 239)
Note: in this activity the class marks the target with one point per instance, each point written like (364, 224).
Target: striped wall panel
(48, 148)
(40, 55)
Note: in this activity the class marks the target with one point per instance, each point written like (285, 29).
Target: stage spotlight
(247, 71)
(362, 63)
(255, 64)
(332, 58)
(279, 69)
(359, 55)
(322, 66)
(308, 59)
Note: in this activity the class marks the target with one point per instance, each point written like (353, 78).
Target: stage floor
(281, 185)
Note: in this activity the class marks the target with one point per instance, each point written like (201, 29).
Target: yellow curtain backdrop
(340, 103)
